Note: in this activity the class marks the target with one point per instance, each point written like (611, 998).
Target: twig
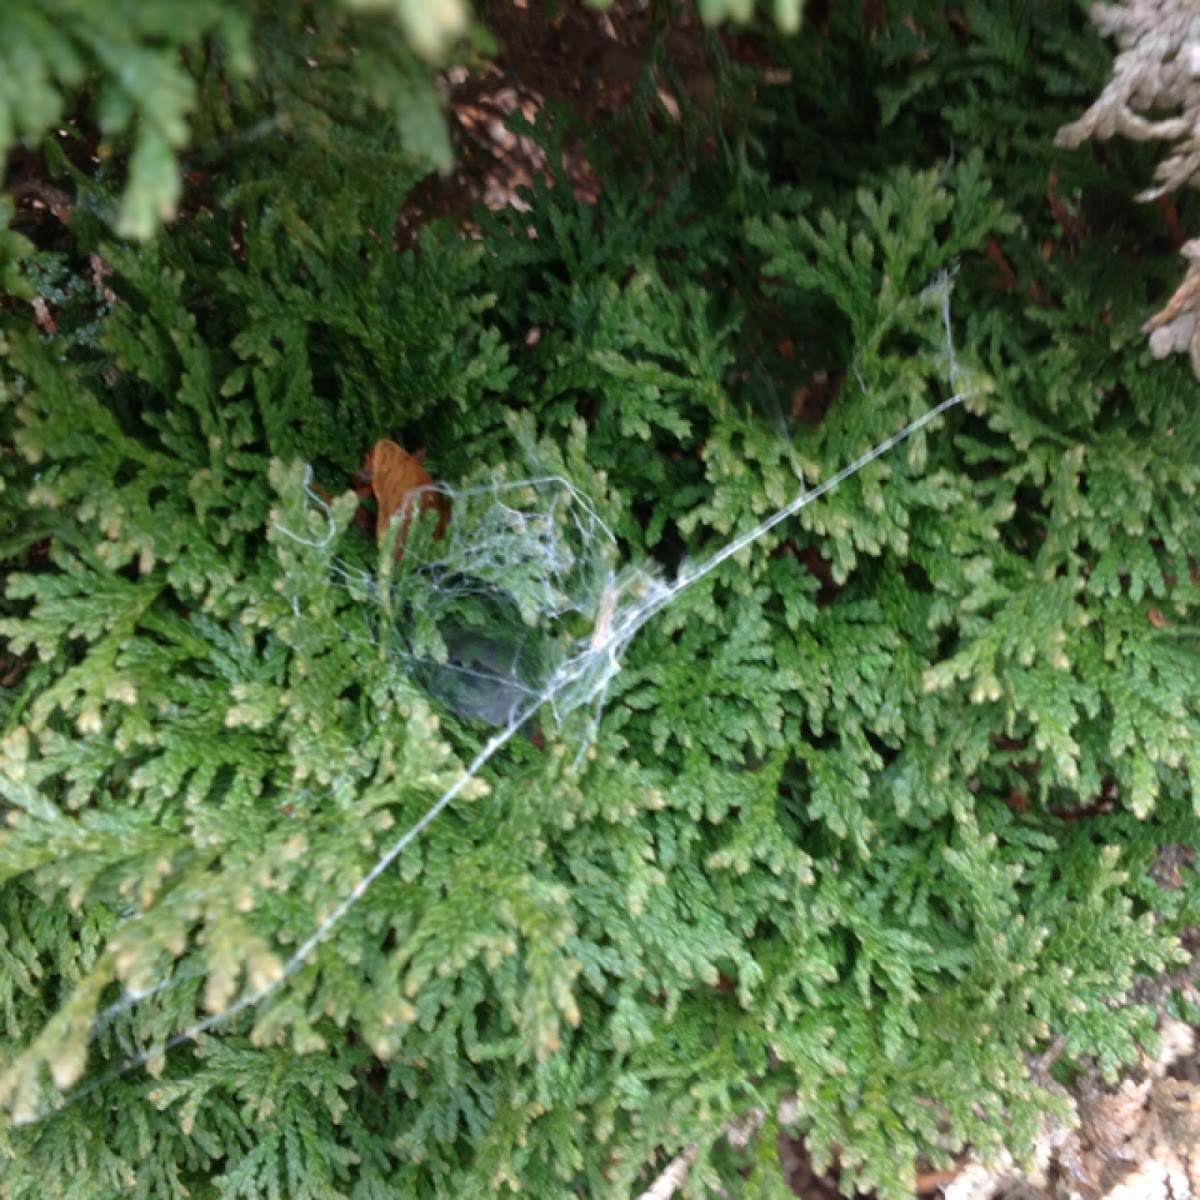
(737, 1132)
(672, 1179)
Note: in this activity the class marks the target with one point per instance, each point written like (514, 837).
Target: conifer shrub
(859, 831)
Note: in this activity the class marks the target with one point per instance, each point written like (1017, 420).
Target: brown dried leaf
(399, 484)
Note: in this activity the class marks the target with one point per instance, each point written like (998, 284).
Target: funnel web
(521, 611)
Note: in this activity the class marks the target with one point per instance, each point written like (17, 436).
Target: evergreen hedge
(866, 821)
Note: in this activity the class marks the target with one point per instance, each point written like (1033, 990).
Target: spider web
(549, 615)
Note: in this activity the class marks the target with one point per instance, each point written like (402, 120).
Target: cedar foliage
(868, 819)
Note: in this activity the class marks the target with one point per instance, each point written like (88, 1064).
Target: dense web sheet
(528, 561)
